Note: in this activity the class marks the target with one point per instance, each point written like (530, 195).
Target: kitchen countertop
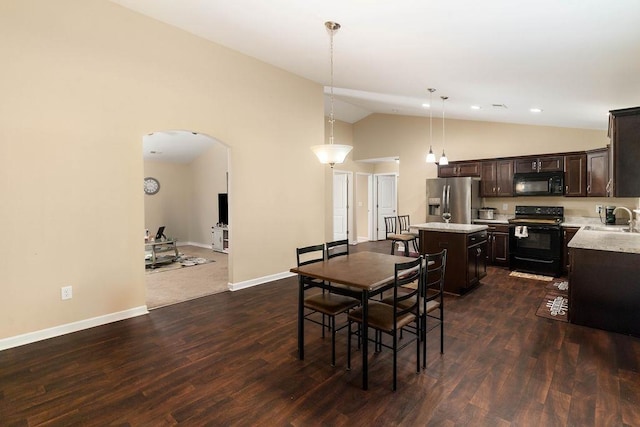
(450, 228)
(611, 241)
(491, 221)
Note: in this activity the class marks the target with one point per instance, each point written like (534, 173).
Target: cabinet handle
(566, 188)
(493, 190)
(588, 189)
(498, 189)
(478, 251)
(533, 165)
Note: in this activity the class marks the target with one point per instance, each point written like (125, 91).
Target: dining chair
(431, 299)
(326, 303)
(391, 234)
(390, 319)
(434, 297)
(337, 248)
(405, 228)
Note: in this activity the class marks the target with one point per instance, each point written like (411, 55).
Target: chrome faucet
(632, 227)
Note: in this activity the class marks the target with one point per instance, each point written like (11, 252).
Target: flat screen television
(223, 209)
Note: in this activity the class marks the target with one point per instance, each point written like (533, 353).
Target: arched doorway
(191, 170)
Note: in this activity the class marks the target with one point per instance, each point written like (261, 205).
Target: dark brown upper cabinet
(458, 169)
(598, 173)
(496, 178)
(575, 175)
(539, 164)
(624, 131)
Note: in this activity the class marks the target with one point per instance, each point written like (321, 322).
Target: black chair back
(404, 222)
(390, 225)
(337, 248)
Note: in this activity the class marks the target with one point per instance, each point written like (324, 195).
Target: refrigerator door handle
(448, 207)
(444, 198)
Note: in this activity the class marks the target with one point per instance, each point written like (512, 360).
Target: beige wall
(209, 174)
(81, 82)
(170, 205)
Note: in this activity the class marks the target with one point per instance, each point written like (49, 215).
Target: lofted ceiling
(574, 59)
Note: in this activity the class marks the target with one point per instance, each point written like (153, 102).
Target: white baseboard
(200, 245)
(259, 281)
(363, 239)
(68, 328)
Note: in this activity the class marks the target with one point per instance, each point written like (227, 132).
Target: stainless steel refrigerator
(458, 197)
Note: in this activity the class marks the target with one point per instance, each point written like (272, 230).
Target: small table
(369, 272)
(159, 247)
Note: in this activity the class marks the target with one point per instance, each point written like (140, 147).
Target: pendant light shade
(431, 158)
(331, 153)
(443, 159)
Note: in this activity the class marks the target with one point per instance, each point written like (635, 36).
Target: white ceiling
(175, 146)
(575, 59)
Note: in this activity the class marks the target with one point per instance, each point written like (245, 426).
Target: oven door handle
(534, 260)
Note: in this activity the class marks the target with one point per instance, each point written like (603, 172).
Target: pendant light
(443, 159)
(331, 153)
(431, 158)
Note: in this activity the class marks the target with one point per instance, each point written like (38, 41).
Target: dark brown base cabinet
(567, 235)
(604, 291)
(498, 245)
(466, 257)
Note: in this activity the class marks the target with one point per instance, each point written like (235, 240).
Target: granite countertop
(450, 228)
(612, 241)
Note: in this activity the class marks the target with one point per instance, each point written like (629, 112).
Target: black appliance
(223, 209)
(538, 184)
(535, 240)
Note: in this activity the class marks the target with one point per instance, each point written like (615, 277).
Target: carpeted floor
(178, 285)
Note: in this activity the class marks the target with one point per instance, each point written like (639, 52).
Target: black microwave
(538, 184)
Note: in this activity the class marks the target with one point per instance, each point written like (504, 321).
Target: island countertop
(450, 228)
(611, 241)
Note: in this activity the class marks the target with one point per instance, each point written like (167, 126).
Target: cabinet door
(447, 171)
(575, 175)
(528, 164)
(476, 263)
(597, 173)
(488, 179)
(504, 178)
(551, 164)
(567, 234)
(500, 247)
(625, 143)
(469, 169)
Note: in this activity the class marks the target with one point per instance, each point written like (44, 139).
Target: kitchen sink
(610, 228)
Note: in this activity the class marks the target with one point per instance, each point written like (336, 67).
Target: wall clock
(151, 185)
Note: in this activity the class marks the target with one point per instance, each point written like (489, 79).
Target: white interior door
(386, 201)
(340, 206)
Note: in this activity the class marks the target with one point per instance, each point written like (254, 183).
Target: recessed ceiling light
(536, 110)
(425, 105)
(476, 107)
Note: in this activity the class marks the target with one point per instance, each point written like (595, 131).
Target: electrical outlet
(598, 209)
(66, 292)
(505, 206)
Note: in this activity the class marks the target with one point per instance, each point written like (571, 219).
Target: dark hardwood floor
(230, 359)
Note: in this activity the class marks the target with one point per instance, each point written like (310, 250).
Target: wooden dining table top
(364, 270)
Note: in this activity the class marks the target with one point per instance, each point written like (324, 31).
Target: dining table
(365, 274)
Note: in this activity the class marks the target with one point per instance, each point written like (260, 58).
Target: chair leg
(441, 331)
(406, 249)
(349, 347)
(395, 358)
(418, 323)
(393, 247)
(332, 322)
(423, 332)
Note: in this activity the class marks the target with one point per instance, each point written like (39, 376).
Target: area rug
(554, 306)
(180, 262)
(530, 276)
(562, 287)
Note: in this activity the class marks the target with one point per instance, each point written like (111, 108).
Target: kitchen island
(604, 291)
(466, 246)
